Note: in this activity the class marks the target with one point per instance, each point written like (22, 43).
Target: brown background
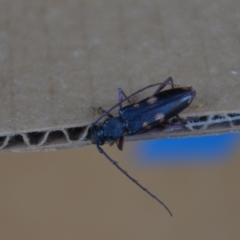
(77, 194)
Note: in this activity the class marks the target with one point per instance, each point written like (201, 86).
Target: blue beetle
(135, 118)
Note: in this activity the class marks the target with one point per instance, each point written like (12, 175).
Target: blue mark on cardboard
(207, 149)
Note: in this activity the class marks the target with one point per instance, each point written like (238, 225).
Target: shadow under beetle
(138, 117)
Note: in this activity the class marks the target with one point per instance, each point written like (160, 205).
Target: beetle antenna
(133, 180)
(125, 99)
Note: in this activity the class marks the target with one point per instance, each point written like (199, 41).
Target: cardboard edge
(75, 137)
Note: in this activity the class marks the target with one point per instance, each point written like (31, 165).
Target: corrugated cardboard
(58, 59)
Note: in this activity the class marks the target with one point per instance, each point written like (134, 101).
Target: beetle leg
(175, 127)
(121, 96)
(111, 143)
(169, 127)
(95, 111)
(180, 120)
(164, 84)
(102, 110)
(120, 143)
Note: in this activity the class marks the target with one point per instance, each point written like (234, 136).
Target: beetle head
(97, 134)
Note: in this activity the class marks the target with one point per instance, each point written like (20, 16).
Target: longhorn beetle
(139, 117)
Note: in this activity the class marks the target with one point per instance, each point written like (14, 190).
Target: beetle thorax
(113, 129)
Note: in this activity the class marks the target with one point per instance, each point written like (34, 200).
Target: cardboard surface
(58, 59)
(78, 194)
